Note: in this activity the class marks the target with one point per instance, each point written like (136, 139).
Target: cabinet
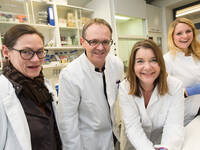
(61, 25)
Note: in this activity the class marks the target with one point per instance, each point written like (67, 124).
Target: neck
(147, 88)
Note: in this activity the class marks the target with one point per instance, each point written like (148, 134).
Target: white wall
(127, 30)
(130, 27)
(132, 8)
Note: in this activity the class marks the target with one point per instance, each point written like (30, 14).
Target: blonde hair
(194, 47)
(161, 81)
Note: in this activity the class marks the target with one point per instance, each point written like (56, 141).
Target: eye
(139, 61)
(188, 31)
(106, 42)
(27, 52)
(154, 60)
(93, 42)
(179, 33)
(40, 52)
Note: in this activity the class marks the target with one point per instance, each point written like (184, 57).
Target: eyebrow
(31, 48)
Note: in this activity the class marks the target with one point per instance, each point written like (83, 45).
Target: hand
(161, 148)
(193, 90)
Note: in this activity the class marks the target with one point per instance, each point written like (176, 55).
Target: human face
(29, 68)
(146, 67)
(96, 54)
(183, 36)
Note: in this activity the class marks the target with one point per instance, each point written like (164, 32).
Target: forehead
(98, 31)
(182, 26)
(145, 53)
(29, 40)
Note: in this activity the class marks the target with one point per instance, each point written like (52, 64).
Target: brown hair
(95, 21)
(12, 35)
(161, 81)
(194, 47)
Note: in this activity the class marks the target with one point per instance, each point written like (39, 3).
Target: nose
(147, 66)
(185, 35)
(100, 46)
(35, 57)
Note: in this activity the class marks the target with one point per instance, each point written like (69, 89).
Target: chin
(32, 76)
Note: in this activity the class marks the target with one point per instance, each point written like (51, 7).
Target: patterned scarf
(32, 88)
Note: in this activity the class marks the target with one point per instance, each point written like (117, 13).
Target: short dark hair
(12, 35)
(95, 21)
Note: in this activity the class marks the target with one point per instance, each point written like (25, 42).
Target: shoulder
(124, 85)
(72, 68)
(167, 56)
(115, 63)
(115, 60)
(174, 84)
(6, 85)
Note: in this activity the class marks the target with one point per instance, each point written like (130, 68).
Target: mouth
(34, 67)
(99, 53)
(185, 41)
(148, 74)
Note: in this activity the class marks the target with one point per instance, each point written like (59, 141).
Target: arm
(131, 117)
(173, 131)
(68, 112)
(193, 90)
(3, 127)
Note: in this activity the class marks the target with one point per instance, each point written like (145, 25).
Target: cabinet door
(41, 11)
(68, 25)
(13, 11)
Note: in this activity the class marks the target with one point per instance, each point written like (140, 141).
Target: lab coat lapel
(109, 90)
(17, 119)
(54, 105)
(154, 97)
(145, 119)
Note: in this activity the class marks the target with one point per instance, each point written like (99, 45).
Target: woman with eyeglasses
(27, 106)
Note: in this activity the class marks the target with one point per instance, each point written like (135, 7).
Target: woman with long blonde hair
(183, 62)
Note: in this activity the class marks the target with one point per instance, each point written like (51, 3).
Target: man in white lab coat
(88, 91)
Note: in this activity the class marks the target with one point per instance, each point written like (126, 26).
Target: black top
(42, 126)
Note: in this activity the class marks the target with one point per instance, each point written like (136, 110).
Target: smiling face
(29, 68)
(146, 67)
(96, 54)
(183, 36)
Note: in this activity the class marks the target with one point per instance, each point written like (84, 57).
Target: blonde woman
(183, 62)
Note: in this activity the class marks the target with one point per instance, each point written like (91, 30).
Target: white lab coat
(83, 111)
(186, 69)
(14, 129)
(161, 123)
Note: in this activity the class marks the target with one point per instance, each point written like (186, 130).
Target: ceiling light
(187, 11)
(121, 17)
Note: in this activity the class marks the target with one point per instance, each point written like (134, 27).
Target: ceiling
(80, 3)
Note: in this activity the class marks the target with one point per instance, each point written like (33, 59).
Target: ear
(5, 51)
(81, 40)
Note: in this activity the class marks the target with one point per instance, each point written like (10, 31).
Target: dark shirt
(42, 126)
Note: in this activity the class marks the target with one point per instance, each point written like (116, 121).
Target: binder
(51, 17)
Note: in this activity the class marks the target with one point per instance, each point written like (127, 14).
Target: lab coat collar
(16, 116)
(89, 66)
(154, 97)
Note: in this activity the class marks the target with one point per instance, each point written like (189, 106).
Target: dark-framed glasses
(28, 53)
(95, 42)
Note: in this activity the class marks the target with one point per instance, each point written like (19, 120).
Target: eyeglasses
(95, 43)
(27, 54)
